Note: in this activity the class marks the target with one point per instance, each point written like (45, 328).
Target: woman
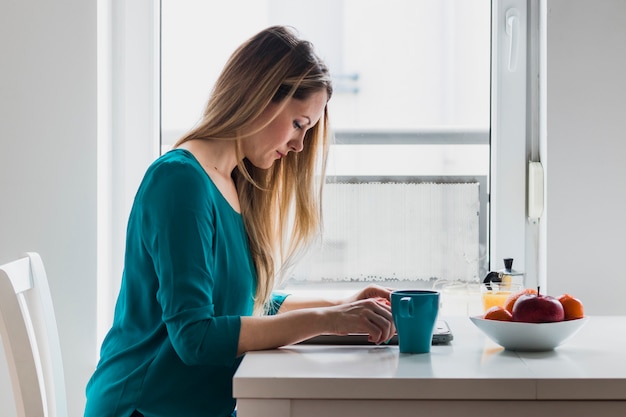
(210, 229)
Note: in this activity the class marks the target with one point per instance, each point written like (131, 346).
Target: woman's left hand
(371, 291)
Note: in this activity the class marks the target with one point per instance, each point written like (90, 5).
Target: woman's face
(285, 133)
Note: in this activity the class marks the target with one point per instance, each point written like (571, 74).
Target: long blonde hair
(280, 206)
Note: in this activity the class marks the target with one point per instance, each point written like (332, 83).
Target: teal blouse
(188, 278)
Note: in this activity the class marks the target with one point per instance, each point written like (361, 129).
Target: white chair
(29, 333)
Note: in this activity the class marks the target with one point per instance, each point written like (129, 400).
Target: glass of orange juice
(496, 293)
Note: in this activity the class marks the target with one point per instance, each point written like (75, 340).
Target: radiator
(395, 233)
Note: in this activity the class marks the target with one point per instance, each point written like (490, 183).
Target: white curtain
(390, 232)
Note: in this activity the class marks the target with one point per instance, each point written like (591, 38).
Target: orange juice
(495, 293)
(494, 298)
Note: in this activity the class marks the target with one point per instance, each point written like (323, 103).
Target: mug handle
(406, 307)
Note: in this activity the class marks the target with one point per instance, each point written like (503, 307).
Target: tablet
(441, 335)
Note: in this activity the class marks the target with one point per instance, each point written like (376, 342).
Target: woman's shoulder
(174, 157)
(176, 162)
(176, 171)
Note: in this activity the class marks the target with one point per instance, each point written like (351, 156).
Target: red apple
(537, 308)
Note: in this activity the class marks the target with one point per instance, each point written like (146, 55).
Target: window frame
(509, 153)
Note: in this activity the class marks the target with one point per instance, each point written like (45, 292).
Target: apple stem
(538, 288)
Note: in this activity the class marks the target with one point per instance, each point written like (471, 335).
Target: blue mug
(415, 314)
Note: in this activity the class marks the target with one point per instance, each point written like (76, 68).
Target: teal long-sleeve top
(188, 278)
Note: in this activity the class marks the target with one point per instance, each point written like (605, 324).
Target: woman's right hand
(363, 316)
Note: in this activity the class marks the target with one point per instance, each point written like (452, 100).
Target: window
(411, 117)
(429, 92)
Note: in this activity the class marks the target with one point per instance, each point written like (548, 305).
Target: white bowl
(528, 336)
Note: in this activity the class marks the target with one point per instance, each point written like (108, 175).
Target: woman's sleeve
(179, 232)
(275, 302)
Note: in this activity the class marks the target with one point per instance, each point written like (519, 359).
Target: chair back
(28, 330)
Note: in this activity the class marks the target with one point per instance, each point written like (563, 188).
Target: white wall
(583, 152)
(48, 166)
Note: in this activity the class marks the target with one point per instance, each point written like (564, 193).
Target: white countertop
(589, 366)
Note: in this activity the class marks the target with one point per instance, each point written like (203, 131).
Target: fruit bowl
(528, 336)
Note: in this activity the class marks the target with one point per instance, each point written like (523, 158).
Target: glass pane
(407, 193)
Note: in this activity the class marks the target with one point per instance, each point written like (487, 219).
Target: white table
(471, 376)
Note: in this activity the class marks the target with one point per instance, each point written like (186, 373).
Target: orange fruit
(498, 313)
(510, 301)
(572, 307)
